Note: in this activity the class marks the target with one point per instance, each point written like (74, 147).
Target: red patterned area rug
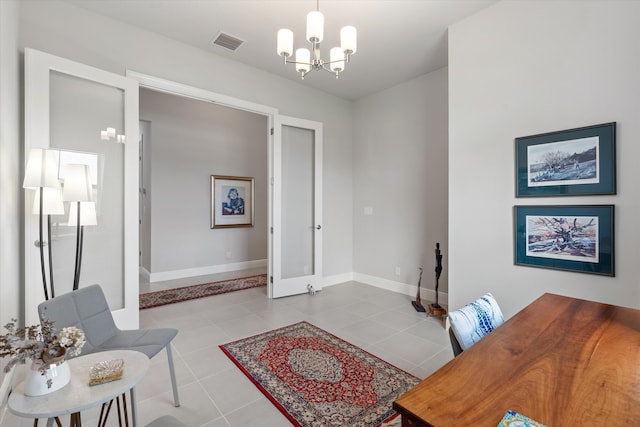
(170, 296)
(318, 380)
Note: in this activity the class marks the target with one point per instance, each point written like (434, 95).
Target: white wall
(400, 170)
(190, 141)
(529, 67)
(10, 162)
(73, 33)
(10, 169)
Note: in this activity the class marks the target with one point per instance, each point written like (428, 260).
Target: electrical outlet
(397, 271)
(228, 255)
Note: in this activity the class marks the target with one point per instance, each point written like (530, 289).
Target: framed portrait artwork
(231, 201)
(573, 238)
(575, 162)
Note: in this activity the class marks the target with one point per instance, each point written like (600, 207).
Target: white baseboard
(378, 282)
(390, 285)
(402, 288)
(144, 272)
(202, 271)
(337, 279)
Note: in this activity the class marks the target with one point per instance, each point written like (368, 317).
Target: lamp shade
(285, 42)
(349, 40)
(337, 59)
(303, 60)
(77, 183)
(42, 169)
(52, 202)
(315, 26)
(87, 213)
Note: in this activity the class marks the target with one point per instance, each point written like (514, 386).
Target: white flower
(38, 342)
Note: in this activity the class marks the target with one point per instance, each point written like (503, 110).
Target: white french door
(296, 240)
(67, 106)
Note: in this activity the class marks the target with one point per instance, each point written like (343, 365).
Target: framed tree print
(573, 238)
(575, 162)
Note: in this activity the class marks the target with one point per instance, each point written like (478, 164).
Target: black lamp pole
(41, 245)
(79, 240)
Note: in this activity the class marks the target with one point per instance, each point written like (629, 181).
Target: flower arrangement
(39, 343)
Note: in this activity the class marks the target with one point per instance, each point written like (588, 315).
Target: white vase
(56, 377)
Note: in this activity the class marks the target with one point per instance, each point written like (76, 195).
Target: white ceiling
(397, 39)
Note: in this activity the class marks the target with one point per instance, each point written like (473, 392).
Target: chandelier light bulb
(285, 42)
(336, 58)
(315, 27)
(349, 40)
(303, 60)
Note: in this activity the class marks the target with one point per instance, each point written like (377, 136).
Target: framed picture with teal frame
(576, 238)
(574, 162)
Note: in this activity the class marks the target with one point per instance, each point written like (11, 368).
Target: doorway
(183, 142)
(274, 130)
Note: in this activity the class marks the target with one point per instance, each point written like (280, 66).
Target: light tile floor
(213, 391)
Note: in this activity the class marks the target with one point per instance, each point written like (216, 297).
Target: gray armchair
(87, 309)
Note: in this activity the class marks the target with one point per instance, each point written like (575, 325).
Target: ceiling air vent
(227, 41)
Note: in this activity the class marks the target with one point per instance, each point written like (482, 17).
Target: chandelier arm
(335, 73)
(331, 62)
(296, 62)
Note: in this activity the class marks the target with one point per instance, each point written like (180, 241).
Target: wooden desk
(561, 361)
(78, 395)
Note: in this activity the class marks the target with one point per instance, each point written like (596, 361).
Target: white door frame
(38, 67)
(167, 86)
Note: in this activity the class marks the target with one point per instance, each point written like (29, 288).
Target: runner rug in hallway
(170, 296)
(318, 380)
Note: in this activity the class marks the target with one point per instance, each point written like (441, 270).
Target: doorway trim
(161, 85)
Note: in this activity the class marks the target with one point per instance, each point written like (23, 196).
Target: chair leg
(172, 373)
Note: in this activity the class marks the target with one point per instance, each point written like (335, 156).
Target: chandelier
(309, 60)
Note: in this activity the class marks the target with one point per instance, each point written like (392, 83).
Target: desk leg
(134, 407)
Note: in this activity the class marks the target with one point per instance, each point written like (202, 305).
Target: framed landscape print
(231, 201)
(572, 162)
(574, 238)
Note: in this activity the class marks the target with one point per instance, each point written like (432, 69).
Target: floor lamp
(41, 174)
(77, 188)
(87, 211)
(52, 205)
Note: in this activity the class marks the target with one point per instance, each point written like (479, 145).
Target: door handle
(318, 227)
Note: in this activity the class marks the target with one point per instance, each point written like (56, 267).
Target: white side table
(78, 396)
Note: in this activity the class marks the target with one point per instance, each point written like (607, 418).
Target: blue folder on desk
(514, 419)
